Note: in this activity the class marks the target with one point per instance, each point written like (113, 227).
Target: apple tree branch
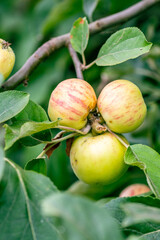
(61, 41)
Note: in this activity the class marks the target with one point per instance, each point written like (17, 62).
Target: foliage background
(27, 24)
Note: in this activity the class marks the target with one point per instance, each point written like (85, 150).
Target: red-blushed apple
(98, 159)
(72, 100)
(134, 190)
(7, 59)
(122, 106)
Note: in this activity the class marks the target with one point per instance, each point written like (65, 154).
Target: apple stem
(54, 141)
(59, 134)
(120, 139)
(83, 131)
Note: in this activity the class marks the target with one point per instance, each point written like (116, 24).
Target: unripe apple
(7, 59)
(122, 106)
(98, 159)
(134, 190)
(72, 100)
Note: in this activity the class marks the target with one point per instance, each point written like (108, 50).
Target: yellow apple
(98, 159)
(7, 59)
(71, 101)
(122, 106)
(134, 190)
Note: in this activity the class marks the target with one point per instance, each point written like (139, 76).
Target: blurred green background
(29, 23)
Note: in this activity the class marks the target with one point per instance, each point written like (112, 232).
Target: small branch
(122, 16)
(55, 43)
(34, 60)
(77, 63)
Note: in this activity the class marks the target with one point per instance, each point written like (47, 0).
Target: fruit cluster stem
(76, 62)
(97, 124)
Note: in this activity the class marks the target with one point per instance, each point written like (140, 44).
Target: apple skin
(122, 106)
(72, 100)
(7, 60)
(134, 190)
(98, 159)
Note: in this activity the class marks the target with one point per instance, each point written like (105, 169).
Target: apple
(122, 106)
(98, 159)
(134, 190)
(71, 101)
(7, 59)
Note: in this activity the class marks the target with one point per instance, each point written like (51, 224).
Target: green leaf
(16, 132)
(12, 102)
(79, 35)
(1, 162)
(1, 151)
(155, 235)
(89, 6)
(80, 218)
(115, 209)
(33, 112)
(137, 213)
(21, 193)
(125, 44)
(133, 237)
(148, 160)
(37, 165)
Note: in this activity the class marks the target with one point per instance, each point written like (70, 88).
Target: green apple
(71, 101)
(122, 106)
(98, 159)
(7, 59)
(134, 190)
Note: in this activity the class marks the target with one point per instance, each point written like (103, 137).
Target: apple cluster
(98, 158)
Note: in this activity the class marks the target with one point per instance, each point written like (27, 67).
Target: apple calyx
(97, 123)
(5, 44)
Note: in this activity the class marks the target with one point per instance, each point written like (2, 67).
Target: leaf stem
(83, 59)
(56, 141)
(89, 65)
(83, 131)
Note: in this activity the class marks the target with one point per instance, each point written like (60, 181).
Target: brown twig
(55, 43)
(77, 63)
(34, 60)
(122, 16)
